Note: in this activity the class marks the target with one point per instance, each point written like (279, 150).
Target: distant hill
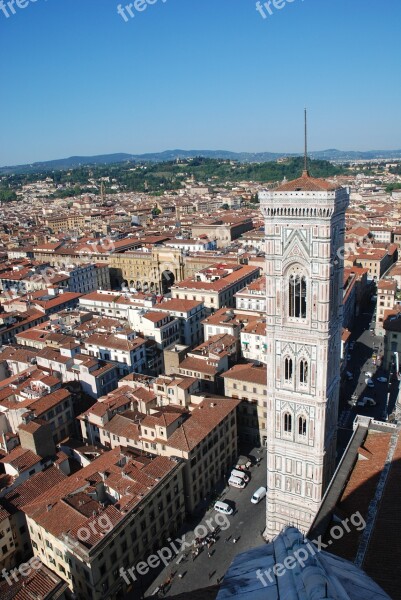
(168, 155)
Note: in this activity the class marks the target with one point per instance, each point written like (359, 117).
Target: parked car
(362, 402)
(240, 474)
(382, 379)
(368, 374)
(351, 346)
(237, 482)
(223, 507)
(369, 383)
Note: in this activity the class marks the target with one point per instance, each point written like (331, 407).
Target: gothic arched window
(302, 426)
(303, 372)
(297, 296)
(288, 369)
(287, 422)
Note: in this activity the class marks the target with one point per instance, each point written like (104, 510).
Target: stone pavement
(246, 525)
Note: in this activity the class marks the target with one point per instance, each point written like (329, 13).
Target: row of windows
(245, 389)
(288, 424)
(303, 371)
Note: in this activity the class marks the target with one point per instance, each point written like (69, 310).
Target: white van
(258, 495)
(240, 474)
(223, 507)
(236, 482)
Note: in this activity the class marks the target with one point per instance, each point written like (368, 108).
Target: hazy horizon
(83, 81)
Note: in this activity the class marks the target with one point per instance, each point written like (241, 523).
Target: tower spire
(306, 173)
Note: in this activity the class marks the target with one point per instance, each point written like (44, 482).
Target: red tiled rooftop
(384, 548)
(40, 583)
(248, 372)
(21, 459)
(306, 183)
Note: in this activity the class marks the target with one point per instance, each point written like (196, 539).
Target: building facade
(304, 224)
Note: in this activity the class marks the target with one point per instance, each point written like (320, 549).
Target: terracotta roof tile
(306, 183)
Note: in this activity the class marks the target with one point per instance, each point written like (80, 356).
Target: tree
(393, 186)
(7, 195)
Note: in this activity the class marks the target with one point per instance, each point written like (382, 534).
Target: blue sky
(198, 74)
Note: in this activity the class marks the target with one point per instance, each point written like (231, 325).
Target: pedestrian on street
(234, 540)
(209, 555)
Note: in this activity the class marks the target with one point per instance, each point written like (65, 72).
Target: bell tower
(304, 225)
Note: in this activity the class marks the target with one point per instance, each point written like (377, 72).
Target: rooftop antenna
(306, 146)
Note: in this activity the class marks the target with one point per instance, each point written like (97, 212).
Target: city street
(246, 525)
(184, 573)
(365, 342)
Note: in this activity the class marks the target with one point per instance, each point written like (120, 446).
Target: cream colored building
(386, 292)
(252, 299)
(216, 286)
(7, 540)
(203, 434)
(109, 516)
(254, 341)
(392, 339)
(67, 222)
(248, 383)
(154, 270)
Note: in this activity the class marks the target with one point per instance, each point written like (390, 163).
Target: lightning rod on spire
(306, 145)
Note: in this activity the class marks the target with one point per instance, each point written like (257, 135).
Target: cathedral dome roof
(303, 573)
